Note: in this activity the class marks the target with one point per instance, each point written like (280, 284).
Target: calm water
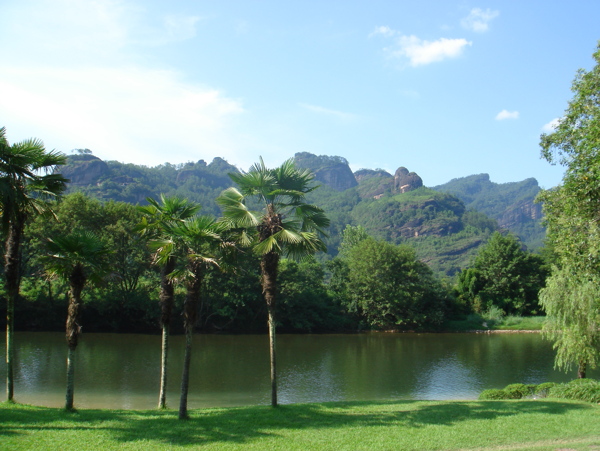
(122, 371)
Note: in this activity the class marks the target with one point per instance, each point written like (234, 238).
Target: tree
(199, 239)
(27, 180)
(160, 217)
(286, 225)
(572, 211)
(571, 300)
(77, 258)
(503, 275)
(390, 288)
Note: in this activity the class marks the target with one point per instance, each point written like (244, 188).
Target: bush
(518, 391)
(578, 389)
(542, 390)
(514, 391)
(492, 394)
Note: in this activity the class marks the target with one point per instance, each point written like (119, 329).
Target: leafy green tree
(77, 258)
(390, 288)
(159, 219)
(286, 225)
(572, 212)
(571, 300)
(199, 239)
(503, 275)
(27, 180)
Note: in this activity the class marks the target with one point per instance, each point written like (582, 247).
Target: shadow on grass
(246, 424)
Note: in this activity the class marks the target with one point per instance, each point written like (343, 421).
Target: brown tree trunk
(190, 316)
(268, 266)
(73, 330)
(166, 303)
(582, 370)
(12, 260)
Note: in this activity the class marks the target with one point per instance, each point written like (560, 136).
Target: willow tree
(572, 211)
(77, 258)
(27, 181)
(285, 225)
(571, 300)
(159, 218)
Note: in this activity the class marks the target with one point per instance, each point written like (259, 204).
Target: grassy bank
(391, 425)
(483, 322)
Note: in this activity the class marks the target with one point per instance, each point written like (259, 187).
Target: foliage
(587, 390)
(390, 288)
(503, 275)
(571, 301)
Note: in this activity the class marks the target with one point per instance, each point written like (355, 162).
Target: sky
(444, 88)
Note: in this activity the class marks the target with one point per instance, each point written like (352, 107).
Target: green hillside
(445, 224)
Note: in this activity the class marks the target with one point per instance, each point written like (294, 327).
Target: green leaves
(286, 225)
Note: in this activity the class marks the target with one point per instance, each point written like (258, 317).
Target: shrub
(518, 391)
(578, 389)
(542, 390)
(493, 394)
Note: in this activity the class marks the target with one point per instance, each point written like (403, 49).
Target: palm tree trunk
(164, 357)
(273, 357)
(185, 377)
(11, 270)
(73, 329)
(190, 315)
(166, 303)
(269, 265)
(70, 379)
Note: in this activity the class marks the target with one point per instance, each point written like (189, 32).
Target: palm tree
(77, 258)
(286, 225)
(160, 216)
(27, 181)
(200, 239)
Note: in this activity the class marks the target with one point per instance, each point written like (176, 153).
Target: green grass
(510, 322)
(391, 425)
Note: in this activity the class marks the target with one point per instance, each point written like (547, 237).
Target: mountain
(511, 204)
(111, 180)
(445, 224)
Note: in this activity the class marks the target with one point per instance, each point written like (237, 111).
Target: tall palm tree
(159, 217)
(286, 225)
(77, 258)
(27, 181)
(199, 238)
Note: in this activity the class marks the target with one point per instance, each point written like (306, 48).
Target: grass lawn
(381, 425)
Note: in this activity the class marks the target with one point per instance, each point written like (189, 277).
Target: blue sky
(446, 89)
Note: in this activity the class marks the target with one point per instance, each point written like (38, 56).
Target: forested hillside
(445, 225)
(511, 204)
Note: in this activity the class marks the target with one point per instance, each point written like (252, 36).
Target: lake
(122, 370)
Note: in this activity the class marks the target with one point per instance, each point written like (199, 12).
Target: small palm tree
(77, 258)
(286, 225)
(27, 181)
(159, 218)
(199, 238)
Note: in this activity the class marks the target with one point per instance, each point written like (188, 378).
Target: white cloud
(505, 114)
(479, 20)
(334, 113)
(132, 114)
(419, 52)
(383, 30)
(551, 126)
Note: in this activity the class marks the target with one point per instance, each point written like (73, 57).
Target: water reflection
(122, 371)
